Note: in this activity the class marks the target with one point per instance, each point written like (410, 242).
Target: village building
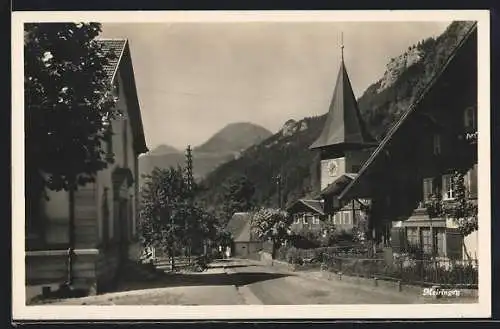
(307, 215)
(344, 145)
(244, 243)
(106, 210)
(416, 159)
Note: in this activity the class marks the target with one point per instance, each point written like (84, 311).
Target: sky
(195, 78)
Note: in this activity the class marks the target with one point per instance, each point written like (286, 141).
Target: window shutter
(427, 188)
(473, 182)
(454, 241)
(398, 240)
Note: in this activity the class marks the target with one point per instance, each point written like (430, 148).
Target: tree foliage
(168, 217)
(271, 224)
(238, 196)
(69, 102)
(462, 210)
(163, 210)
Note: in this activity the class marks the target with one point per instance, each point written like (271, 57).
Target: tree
(237, 197)
(189, 179)
(329, 232)
(461, 210)
(169, 219)
(271, 224)
(69, 104)
(163, 211)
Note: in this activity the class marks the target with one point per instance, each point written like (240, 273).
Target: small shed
(244, 243)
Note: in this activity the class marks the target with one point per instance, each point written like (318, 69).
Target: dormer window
(470, 122)
(436, 144)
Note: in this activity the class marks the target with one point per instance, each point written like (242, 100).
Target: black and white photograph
(251, 165)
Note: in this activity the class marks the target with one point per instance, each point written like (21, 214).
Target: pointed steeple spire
(344, 125)
(342, 46)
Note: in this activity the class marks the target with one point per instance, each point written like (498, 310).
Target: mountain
(223, 146)
(287, 152)
(163, 149)
(234, 138)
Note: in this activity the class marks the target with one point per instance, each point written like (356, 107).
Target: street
(240, 282)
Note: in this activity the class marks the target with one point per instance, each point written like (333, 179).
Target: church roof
(344, 124)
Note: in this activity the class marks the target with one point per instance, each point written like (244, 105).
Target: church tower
(344, 143)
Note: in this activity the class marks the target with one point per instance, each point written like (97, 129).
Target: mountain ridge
(226, 144)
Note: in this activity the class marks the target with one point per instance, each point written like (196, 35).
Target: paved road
(234, 282)
(282, 287)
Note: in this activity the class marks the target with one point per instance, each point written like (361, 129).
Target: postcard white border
(388, 311)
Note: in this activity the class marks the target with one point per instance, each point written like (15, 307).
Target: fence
(299, 256)
(421, 272)
(354, 261)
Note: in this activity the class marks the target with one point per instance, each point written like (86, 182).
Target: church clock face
(333, 168)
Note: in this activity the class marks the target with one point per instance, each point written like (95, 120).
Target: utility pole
(190, 183)
(278, 183)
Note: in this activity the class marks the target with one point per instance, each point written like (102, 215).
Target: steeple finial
(342, 45)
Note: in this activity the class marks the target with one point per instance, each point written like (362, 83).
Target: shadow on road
(196, 279)
(229, 266)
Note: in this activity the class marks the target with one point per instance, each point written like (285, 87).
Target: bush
(293, 256)
(304, 241)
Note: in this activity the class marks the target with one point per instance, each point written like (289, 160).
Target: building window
(447, 187)
(426, 240)
(347, 218)
(315, 220)
(470, 118)
(437, 144)
(412, 236)
(336, 218)
(304, 220)
(297, 219)
(440, 241)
